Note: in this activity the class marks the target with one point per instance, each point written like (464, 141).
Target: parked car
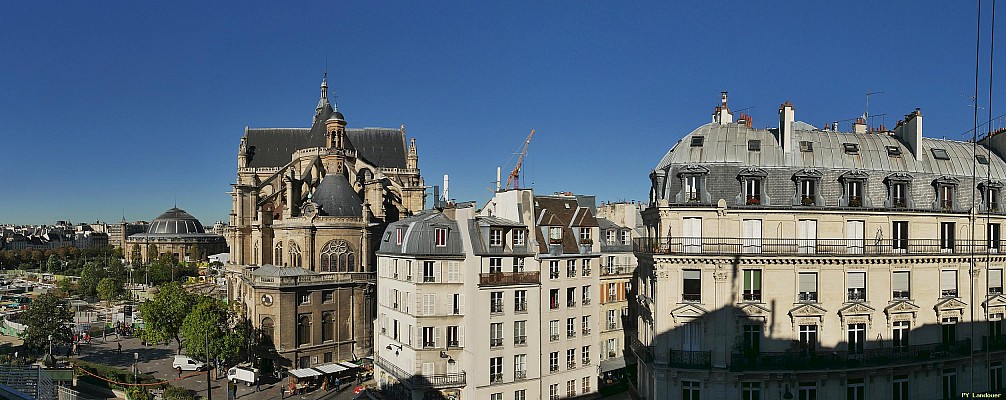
(243, 373)
(184, 363)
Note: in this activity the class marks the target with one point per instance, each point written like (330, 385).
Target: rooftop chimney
(859, 126)
(785, 132)
(722, 115)
(910, 132)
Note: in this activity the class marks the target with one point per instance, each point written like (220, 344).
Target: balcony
(585, 361)
(571, 272)
(571, 365)
(496, 342)
(420, 381)
(611, 325)
(856, 295)
(586, 301)
(690, 359)
(553, 274)
(866, 358)
(901, 295)
(570, 303)
(617, 269)
(807, 297)
(553, 368)
(496, 306)
(752, 296)
(520, 307)
(586, 331)
(643, 352)
(553, 337)
(495, 378)
(508, 278)
(519, 375)
(429, 278)
(948, 293)
(586, 271)
(519, 340)
(570, 334)
(691, 297)
(805, 247)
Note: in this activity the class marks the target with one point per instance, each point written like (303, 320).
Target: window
(399, 235)
(949, 327)
(295, 258)
(520, 301)
(948, 283)
(690, 390)
(496, 370)
(496, 396)
(752, 285)
(856, 282)
(612, 347)
(900, 388)
(900, 335)
(693, 188)
(571, 268)
(453, 272)
(807, 286)
(586, 324)
(304, 329)
(692, 232)
(752, 339)
(855, 389)
(806, 146)
(807, 391)
(553, 361)
(520, 366)
(495, 265)
(338, 256)
(754, 145)
(553, 269)
(327, 296)
(945, 197)
(751, 390)
(586, 384)
(585, 267)
(553, 330)
(453, 339)
(585, 355)
(305, 298)
(395, 330)
(553, 299)
(518, 237)
(897, 193)
(327, 357)
(440, 237)
(612, 292)
(854, 233)
(625, 237)
(752, 235)
(278, 255)
(995, 281)
(429, 339)
(982, 159)
(570, 327)
(496, 334)
(326, 326)
(571, 297)
(691, 285)
(495, 302)
(996, 377)
(456, 303)
(899, 236)
(429, 268)
(519, 333)
(990, 198)
(553, 391)
(851, 148)
(495, 237)
(697, 141)
(806, 236)
(586, 294)
(611, 321)
(901, 285)
(994, 237)
(949, 384)
(609, 237)
(996, 328)
(570, 358)
(947, 230)
(808, 338)
(893, 151)
(429, 304)
(854, 192)
(940, 154)
(857, 337)
(518, 264)
(555, 235)
(808, 191)
(585, 236)
(570, 388)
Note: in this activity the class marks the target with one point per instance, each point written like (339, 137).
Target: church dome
(336, 197)
(175, 221)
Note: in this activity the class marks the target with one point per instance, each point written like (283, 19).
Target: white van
(243, 373)
(184, 363)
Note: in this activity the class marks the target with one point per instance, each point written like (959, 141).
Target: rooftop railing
(812, 247)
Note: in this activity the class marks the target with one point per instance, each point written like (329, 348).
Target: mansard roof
(419, 236)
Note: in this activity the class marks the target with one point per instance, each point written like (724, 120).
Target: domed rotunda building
(175, 232)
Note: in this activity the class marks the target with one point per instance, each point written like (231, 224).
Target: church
(308, 211)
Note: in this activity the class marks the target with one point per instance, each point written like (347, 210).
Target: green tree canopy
(210, 321)
(164, 312)
(110, 289)
(52, 264)
(90, 276)
(47, 315)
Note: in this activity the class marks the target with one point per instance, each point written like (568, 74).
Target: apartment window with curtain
(995, 281)
(854, 192)
(897, 193)
(691, 287)
(807, 290)
(945, 197)
(899, 236)
(752, 285)
(752, 191)
(806, 232)
(519, 333)
(752, 235)
(854, 233)
(948, 283)
(495, 237)
(440, 237)
(495, 265)
(856, 282)
(990, 198)
(808, 191)
(553, 330)
(518, 237)
(947, 230)
(693, 188)
(857, 337)
(692, 234)
(901, 285)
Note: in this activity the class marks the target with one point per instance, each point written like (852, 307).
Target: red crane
(515, 175)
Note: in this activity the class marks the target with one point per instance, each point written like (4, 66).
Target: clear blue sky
(112, 106)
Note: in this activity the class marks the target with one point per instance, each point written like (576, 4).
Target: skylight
(940, 154)
(806, 146)
(697, 141)
(893, 151)
(982, 159)
(754, 145)
(851, 148)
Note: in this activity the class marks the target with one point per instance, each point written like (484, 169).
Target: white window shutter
(900, 282)
(461, 336)
(428, 369)
(437, 337)
(433, 304)
(461, 303)
(420, 304)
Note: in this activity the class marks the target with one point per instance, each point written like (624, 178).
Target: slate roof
(336, 197)
(175, 221)
(420, 236)
(478, 230)
(560, 211)
(274, 271)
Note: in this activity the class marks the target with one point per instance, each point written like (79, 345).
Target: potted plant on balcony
(554, 240)
(753, 201)
(856, 202)
(807, 200)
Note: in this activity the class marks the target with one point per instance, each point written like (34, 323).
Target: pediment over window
(692, 169)
(949, 304)
(901, 306)
(807, 173)
(991, 184)
(688, 311)
(854, 175)
(856, 309)
(752, 172)
(753, 310)
(807, 310)
(899, 177)
(995, 304)
(946, 180)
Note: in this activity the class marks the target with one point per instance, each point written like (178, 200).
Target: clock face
(267, 299)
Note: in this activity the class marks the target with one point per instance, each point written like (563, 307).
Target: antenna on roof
(866, 115)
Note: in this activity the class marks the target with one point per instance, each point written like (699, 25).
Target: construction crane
(515, 175)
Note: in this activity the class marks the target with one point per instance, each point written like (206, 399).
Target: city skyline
(158, 98)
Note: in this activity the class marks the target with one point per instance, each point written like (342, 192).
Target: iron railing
(690, 359)
(643, 352)
(420, 381)
(508, 278)
(812, 247)
(826, 360)
(617, 269)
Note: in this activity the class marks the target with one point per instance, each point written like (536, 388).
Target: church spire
(323, 101)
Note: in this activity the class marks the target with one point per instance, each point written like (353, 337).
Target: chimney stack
(910, 132)
(785, 133)
(721, 114)
(859, 126)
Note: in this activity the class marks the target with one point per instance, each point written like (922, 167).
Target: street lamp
(136, 371)
(50, 345)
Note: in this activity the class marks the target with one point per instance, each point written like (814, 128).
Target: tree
(163, 314)
(109, 289)
(47, 315)
(136, 259)
(52, 265)
(90, 276)
(210, 321)
(177, 393)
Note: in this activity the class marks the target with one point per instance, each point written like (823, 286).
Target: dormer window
(752, 180)
(440, 237)
(692, 184)
(854, 185)
(693, 187)
(518, 237)
(754, 145)
(697, 141)
(609, 237)
(946, 188)
(399, 235)
(893, 151)
(990, 196)
(585, 236)
(495, 237)
(806, 146)
(897, 190)
(807, 181)
(555, 235)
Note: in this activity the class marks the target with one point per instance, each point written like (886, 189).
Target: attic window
(754, 145)
(982, 159)
(697, 141)
(893, 151)
(851, 148)
(940, 154)
(806, 146)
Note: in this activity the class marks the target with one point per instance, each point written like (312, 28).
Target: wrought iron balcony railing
(812, 246)
(420, 381)
(690, 359)
(833, 359)
(508, 278)
(617, 269)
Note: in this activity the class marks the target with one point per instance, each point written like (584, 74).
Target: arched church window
(295, 259)
(337, 256)
(303, 330)
(277, 255)
(255, 254)
(267, 327)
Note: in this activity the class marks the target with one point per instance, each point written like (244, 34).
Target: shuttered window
(807, 236)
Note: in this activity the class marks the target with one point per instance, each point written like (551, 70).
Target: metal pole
(206, 342)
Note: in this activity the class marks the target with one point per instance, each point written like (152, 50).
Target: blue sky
(129, 107)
